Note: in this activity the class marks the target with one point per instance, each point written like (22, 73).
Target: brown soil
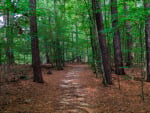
(74, 90)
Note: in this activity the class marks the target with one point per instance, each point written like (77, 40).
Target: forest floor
(74, 90)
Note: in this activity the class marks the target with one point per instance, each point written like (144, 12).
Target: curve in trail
(72, 99)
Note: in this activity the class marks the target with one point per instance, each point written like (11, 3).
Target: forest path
(74, 95)
(72, 90)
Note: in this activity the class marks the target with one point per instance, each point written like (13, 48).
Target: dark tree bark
(147, 36)
(102, 41)
(47, 48)
(116, 40)
(58, 49)
(34, 44)
(129, 38)
(94, 40)
(129, 54)
(77, 41)
(47, 58)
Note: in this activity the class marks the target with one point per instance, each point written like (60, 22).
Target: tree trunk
(9, 39)
(147, 36)
(129, 38)
(58, 50)
(47, 58)
(117, 46)
(34, 43)
(0, 54)
(102, 41)
(77, 42)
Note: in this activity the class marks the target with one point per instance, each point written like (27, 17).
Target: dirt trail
(63, 92)
(73, 94)
(73, 90)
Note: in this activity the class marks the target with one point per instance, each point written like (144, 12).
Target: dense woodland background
(102, 33)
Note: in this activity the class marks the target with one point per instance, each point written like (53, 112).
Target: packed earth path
(72, 90)
(74, 94)
(64, 91)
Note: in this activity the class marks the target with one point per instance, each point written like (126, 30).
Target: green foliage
(64, 31)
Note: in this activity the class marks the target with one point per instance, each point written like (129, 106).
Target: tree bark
(116, 40)
(129, 38)
(147, 36)
(102, 41)
(34, 44)
(0, 54)
(9, 39)
(47, 58)
(58, 49)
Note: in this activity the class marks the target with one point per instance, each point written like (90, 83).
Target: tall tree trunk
(117, 45)
(72, 40)
(9, 39)
(93, 38)
(47, 57)
(77, 42)
(58, 50)
(0, 54)
(147, 36)
(102, 41)
(129, 37)
(35, 44)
